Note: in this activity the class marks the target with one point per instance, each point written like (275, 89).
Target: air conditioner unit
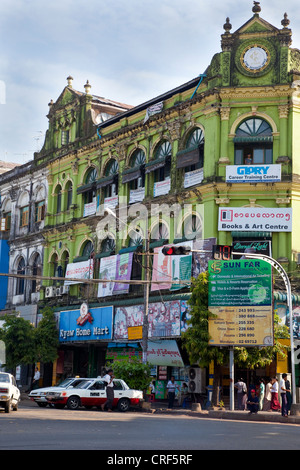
(57, 293)
(64, 290)
(197, 380)
(50, 291)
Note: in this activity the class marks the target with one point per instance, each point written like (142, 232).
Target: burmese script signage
(255, 219)
(240, 297)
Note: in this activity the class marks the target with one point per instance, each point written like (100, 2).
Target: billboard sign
(240, 297)
(253, 173)
(255, 219)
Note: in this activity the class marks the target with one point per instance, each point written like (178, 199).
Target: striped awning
(281, 296)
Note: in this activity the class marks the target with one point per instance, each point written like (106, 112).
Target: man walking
(283, 390)
(108, 378)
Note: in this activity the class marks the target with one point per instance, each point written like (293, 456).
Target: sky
(130, 51)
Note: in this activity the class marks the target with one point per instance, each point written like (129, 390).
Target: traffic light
(176, 250)
(221, 252)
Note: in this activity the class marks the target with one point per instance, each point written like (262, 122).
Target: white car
(93, 393)
(9, 392)
(39, 395)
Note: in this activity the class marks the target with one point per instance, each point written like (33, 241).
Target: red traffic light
(176, 250)
(222, 252)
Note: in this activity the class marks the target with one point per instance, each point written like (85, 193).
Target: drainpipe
(202, 76)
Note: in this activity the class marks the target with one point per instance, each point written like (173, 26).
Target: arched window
(20, 281)
(36, 271)
(137, 161)
(111, 170)
(69, 191)
(58, 198)
(160, 232)
(108, 245)
(253, 142)
(90, 180)
(195, 142)
(87, 249)
(192, 227)
(54, 265)
(164, 152)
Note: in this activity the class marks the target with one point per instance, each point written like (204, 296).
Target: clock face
(255, 58)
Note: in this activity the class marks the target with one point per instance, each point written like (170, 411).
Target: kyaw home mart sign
(255, 219)
(240, 297)
(253, 173)
(86, 324)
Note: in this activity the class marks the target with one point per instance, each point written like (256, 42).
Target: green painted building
(215, 158)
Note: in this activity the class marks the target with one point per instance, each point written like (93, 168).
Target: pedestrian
(108, 378)
(171, 387)
(275, 405)
(261, 394)
(288, 395)
(241, 394)
(282, 389)
(268, 396)
(253, 402)
(36, 378)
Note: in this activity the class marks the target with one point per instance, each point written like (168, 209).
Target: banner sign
(116, 267)
(94, 325)
(167, 269)
(163, 319)
(255, 219)
(240, 297)
(82, 270)
(253, 173)
(154, 109)
(164, 353)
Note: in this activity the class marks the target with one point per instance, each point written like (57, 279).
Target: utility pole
(146, 301)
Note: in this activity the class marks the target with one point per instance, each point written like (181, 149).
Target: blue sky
(130, 51)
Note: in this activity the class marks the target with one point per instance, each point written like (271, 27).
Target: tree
(46, 338)
(196, 339)
(18, 336)
(136, 374)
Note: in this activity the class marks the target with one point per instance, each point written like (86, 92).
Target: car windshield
(84, 384)
(4, 378)
(65, 383)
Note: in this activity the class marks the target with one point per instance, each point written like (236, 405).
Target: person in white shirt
(282, 390)
(171, 387)
(108, 378)
(36, 378)
(275, 405)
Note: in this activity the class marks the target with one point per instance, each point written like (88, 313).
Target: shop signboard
(164, 353)
(255, 219)
(86, 324)
(81, 271)
(253, 173)
(240, 299)
(259, 247)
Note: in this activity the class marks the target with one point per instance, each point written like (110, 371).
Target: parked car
(39, 395)
(93, 393)
(9, 392)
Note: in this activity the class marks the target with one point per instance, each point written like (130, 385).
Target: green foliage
(133, 372)
(18, 336)
(25, 344)
(46, 338)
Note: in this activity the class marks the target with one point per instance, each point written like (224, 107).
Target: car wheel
(8, 406)
(15, 406)
(123, 404)
(73, 403)
(42, 404)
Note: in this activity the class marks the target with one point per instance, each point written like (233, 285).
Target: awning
(187, 157)
(164, 353)
(155, 164)
(252, 235)
(103, 182)
(86, 188)
(254, 139)
(282, 297)
(131, 174)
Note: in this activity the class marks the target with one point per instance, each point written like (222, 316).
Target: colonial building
(211, 161)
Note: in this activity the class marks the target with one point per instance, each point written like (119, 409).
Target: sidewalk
(261, 416)
(162, 408)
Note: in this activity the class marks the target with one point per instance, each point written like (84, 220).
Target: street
(34, 428)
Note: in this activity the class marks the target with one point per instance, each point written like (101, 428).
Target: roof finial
(227, 26)
(285, 22)
(70, 81)
(256, 9)
(87, 87)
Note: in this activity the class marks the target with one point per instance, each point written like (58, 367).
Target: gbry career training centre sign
(240, 297)
(253, 173)
(255, 219)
